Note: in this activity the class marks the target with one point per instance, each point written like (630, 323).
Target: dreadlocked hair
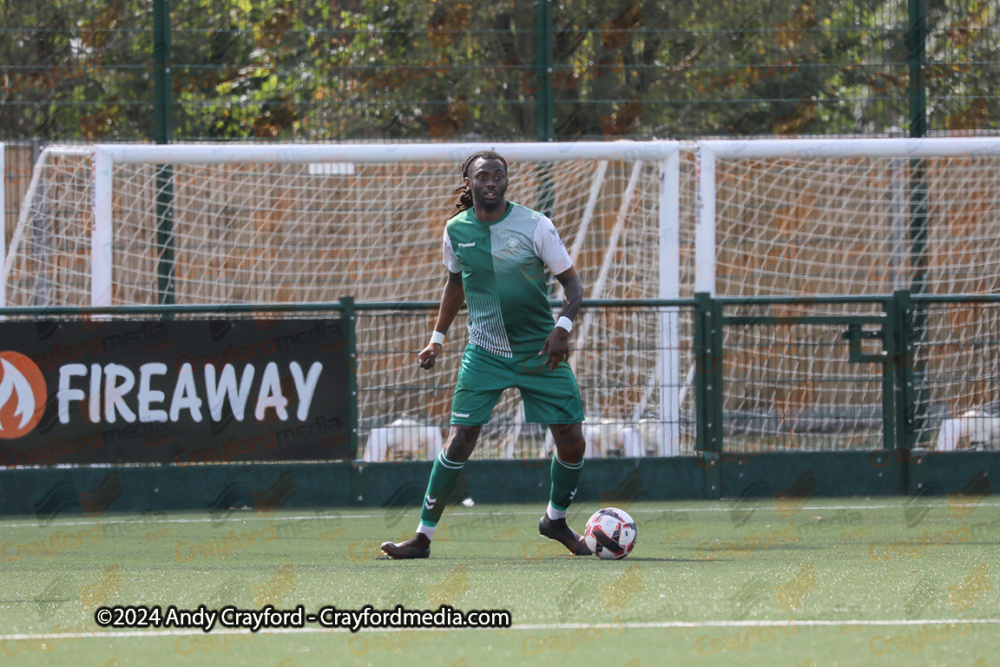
(465, 199)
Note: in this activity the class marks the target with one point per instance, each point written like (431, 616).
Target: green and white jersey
(503, 272)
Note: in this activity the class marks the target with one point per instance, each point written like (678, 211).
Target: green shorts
(549, 396)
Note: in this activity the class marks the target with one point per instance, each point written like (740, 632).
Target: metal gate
(785, 374)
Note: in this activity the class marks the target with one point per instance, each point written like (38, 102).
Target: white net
(853, 226)
(48, 259)
(316, 231)
(274, 233)
(958, 378)
(861, 225)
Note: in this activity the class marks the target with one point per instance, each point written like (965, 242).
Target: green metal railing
(835, 332)
(748, 375)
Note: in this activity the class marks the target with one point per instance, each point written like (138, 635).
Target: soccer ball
(610, 533)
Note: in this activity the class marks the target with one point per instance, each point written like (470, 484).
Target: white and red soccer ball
(610, 533)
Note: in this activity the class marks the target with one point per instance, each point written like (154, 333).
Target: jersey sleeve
(550, 247)
(451, 260)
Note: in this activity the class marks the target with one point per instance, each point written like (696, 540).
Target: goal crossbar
(839, 148)
(297, 153)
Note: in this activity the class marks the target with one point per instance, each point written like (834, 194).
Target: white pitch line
(856, 624)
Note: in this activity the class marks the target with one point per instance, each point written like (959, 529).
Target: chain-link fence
(519, 69)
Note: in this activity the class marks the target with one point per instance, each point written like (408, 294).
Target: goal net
(222, 224)
(850, 217)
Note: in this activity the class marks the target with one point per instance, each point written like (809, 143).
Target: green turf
(710, 583)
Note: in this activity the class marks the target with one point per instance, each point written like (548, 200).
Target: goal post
(281, 223)
(57, 166)
(103, 236)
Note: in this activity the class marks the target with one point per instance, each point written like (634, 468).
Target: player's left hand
(556, 347)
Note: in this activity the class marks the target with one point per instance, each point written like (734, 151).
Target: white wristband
(437, 337)
(565, 323)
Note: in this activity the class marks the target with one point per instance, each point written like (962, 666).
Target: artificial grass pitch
(893, 581)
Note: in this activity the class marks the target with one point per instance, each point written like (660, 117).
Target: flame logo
(22, 379)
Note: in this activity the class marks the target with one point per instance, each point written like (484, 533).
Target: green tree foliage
(67, 70)
(314, 70)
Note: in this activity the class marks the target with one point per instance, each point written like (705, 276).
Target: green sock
(564, 479)
(445, 476)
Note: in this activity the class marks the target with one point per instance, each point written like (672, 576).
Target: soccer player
(496, 253)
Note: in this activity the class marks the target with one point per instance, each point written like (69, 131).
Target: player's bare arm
(451, 303)
(557, 344)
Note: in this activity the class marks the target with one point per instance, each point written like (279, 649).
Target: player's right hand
(429, 355)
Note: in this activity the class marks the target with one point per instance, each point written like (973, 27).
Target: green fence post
(916, 47)
(544, 59)
(905, 375)
(890, 411)
(163, 134)
(701, 346)
(348, 316)
(917, 321)
(916, 466)
(162, 96)
(165, 233)
(716, 377)
(708, 391)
